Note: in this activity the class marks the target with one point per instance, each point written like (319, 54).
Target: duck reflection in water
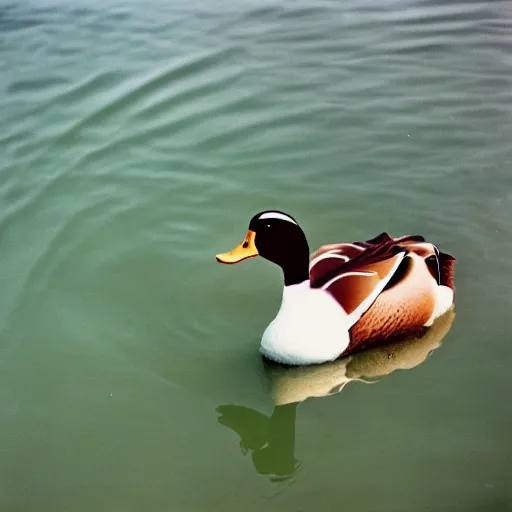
(271, 440)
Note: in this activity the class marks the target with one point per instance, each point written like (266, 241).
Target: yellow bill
(247, 249)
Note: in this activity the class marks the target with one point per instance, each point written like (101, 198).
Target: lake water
(137, 140)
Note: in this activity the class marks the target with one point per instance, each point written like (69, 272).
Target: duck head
(277, 237)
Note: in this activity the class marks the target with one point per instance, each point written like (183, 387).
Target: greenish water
(137, 140)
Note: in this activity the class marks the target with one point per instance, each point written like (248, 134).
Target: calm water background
(137, 140)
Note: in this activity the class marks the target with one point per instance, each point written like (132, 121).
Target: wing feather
(356, 273)
(358, 288)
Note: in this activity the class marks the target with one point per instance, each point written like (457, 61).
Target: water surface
(138, 139)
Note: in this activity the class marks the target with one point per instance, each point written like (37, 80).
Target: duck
(345, 297)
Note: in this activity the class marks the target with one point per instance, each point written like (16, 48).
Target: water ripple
(139, 138)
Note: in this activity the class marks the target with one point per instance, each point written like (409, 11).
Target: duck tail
(447, 270)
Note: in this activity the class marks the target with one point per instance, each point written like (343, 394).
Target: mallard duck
(346, 296)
